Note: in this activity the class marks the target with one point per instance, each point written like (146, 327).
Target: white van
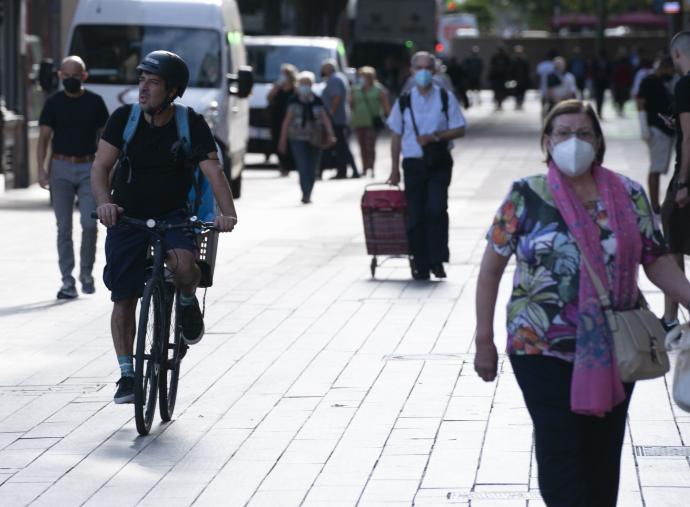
(112, 36)
(266, 54)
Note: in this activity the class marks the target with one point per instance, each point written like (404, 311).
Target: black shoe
(355, 176)
(87, 285)
(192, 323)
(125, 391)
(417, 272)
(339, 177)
(67, 292)
(438, 271)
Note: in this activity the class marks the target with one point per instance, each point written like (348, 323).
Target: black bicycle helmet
(169, 66)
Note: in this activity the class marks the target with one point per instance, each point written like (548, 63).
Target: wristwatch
(682, 184)
(438, 138)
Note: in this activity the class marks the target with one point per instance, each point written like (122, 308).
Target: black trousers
(343, 155)
(426, 191)
(578, 457)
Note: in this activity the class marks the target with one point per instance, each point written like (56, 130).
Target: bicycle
(159, 345)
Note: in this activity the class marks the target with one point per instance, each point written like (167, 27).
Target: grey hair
(76, 59)
(420, 54)
(306, 75)
(681, 42)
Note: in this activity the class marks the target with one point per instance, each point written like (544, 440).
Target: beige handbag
(638, 337)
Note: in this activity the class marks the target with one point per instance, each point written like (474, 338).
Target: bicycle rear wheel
(171, 356)
(150, 336)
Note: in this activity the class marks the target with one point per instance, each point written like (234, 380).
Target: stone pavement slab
(315, 384)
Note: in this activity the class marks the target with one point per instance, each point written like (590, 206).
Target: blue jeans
(427, 212)
(307, 159)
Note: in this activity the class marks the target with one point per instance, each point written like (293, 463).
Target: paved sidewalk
(315, 384)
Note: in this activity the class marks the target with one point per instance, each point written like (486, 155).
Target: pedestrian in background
(622, 76)
(520, 75)
(544, 69)
(71, 122)
(559, 345)
(423, 124)
(278, 98)
(577, 66)
(560, 84)
(370, 105)
(474, 67)
(601, 79)
(336, 98)
(675, 211)
(458, 78)
(308, 129)
(654, 103)
(499, 69)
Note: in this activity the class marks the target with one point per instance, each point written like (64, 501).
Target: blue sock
(187, 299)
(126, 365)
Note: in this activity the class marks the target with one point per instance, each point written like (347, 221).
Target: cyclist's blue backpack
(200, 200)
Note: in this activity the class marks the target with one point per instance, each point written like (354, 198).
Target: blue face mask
(423, 77)
(304, 90)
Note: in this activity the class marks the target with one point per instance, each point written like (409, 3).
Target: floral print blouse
(542, 311)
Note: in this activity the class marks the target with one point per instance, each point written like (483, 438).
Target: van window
(112, 52)
(266, 60)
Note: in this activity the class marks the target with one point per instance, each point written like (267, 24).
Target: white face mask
(573, 157)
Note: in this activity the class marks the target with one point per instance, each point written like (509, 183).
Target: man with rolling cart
(423, 122)
(154, 146)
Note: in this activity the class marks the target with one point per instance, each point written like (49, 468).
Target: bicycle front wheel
(147, 360)
(171, 356)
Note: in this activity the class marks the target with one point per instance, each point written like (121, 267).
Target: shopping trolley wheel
(373, 266)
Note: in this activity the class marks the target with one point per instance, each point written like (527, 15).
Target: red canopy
(639, 19)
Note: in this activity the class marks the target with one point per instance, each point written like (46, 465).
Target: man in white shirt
(423, 124)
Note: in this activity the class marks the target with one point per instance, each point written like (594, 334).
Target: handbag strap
(602, 294)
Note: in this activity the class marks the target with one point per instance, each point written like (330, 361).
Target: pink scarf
(596, 386)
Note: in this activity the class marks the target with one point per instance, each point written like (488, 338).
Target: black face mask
(71, 84)
(666, 78)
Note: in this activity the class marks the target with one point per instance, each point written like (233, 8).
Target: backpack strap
(182, 123)
(444, 104)
(131, 126)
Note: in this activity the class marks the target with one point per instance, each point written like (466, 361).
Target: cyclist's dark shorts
(126, 250)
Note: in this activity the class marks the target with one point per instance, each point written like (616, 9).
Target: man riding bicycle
(152, 179)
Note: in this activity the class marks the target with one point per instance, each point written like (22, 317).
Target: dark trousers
(426, 191)
(343, 155)
(578, 457)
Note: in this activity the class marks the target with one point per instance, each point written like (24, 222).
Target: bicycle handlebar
(162, 226)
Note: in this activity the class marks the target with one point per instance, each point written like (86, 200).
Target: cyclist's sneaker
(192, 323)
(87, 285)
(125, 390)
(67, 292)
